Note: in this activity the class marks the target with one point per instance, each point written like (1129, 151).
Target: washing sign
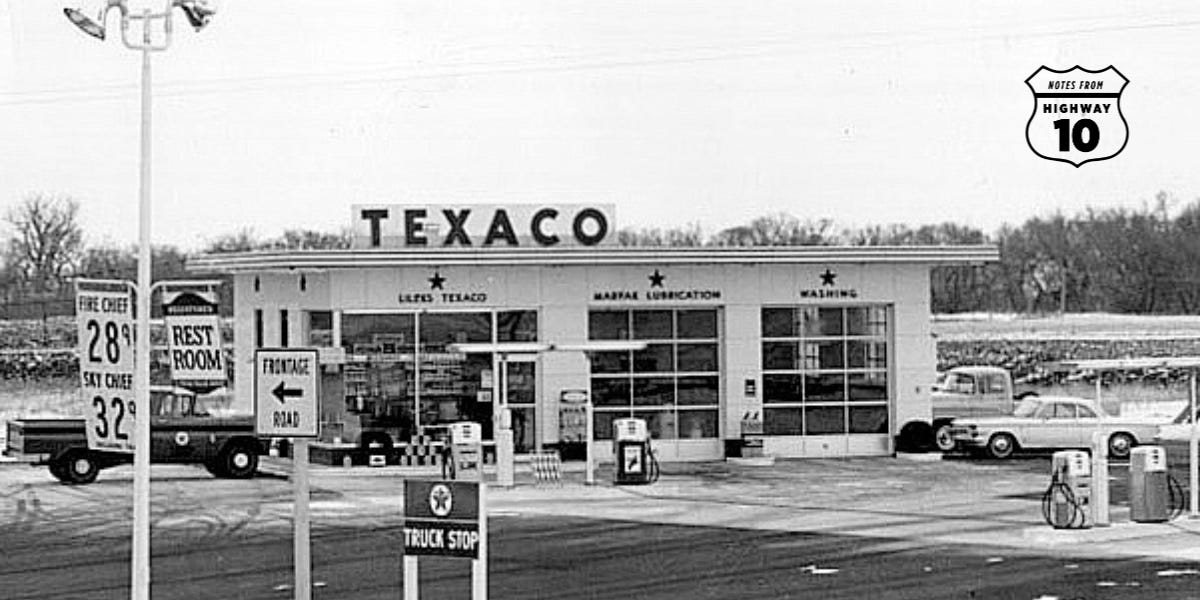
(285, 392)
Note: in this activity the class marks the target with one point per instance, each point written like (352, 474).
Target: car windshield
(1026, 408)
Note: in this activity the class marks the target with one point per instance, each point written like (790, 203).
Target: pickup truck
(970, 391)
(183, 429)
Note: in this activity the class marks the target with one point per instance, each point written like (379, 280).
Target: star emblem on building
(827, 277)
(437, 281)
(440, 500)
(656, 279)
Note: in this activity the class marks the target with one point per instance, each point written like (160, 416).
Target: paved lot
(719, 526)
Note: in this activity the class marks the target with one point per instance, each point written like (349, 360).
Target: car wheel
(215, 468)
(238, 461)
(942, 438)
(58, 468)
(78, 467)
(1002, 445)
(1119, 445)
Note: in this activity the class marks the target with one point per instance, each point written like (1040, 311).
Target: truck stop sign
(285, 392)
(441, 518)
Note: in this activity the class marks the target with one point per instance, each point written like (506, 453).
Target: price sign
(106, 337)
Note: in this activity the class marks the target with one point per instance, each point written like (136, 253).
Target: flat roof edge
(349, 259)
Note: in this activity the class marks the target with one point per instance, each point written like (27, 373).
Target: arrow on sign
(282, 393)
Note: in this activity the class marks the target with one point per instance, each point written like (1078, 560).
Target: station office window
(674, 384)
(825, 370)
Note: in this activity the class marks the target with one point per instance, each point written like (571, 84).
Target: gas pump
(466, 451)
(631, 448)
(1065, 503)
(1149, 494)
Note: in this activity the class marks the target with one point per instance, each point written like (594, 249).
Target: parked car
(971, 391)
(1052, 422)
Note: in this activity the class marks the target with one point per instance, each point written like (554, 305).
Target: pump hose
(1078, 515)
(654, 470)
(1178, 499)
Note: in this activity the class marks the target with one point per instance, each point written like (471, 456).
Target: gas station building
(830, 347)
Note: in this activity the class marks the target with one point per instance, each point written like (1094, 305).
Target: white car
(1052, 422)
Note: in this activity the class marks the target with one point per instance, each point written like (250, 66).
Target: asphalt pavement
(907, 527)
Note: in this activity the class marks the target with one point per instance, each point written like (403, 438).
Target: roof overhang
(360, 259)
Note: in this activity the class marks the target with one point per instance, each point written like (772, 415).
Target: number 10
(1075, 135)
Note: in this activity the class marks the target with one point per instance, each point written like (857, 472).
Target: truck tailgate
(42, 436)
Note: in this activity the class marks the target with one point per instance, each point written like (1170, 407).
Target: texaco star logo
(440, 500)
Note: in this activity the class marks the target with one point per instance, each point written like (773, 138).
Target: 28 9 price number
(105, 342)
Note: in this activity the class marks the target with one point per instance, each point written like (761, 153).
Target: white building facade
(830, 347)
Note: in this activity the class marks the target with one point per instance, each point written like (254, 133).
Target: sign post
(445, 518)
(285, 405)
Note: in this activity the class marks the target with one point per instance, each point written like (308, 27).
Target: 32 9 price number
(115, 408)
(105, 341)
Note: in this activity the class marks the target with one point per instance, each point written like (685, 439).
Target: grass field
(1074, 326)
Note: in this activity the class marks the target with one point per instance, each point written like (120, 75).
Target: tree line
(1119, 260)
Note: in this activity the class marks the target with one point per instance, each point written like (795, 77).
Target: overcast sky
(283, 114)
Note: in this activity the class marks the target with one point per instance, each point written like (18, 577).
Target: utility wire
(772, 48)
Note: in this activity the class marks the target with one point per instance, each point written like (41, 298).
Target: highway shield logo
(1077, 114)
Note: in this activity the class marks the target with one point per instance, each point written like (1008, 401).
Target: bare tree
(46, 243)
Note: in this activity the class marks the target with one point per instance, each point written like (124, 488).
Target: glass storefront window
(517, 326)
(610, 362)
(385, 364)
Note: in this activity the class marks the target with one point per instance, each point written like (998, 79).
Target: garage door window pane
(653, 325)
(697, 358)
(778, 322)
(823, 355)
(868, 419)
(610, 362)
(865, 354)
(656, 358)
(697, 424)
(697, 324)
(611, 392)
(824, 388)
(781, 421)
(654, 391)
(698, 390)
(660, 423)
(608, 325)
(780, 356)
(868, 386)
(782, 388)
(824, 420)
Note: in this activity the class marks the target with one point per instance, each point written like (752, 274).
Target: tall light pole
(198, 14)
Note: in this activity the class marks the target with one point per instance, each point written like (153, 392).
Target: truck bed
(37, 439)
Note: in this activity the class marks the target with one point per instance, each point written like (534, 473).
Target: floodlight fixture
(92, 27)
